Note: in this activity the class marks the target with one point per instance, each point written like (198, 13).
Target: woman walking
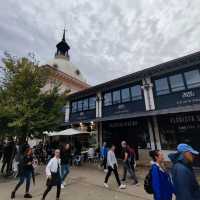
(26, 171)
(65, 159)
(53, 173)
(161, 181)
(112, 167)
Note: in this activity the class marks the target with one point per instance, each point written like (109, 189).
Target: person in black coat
(26, 171)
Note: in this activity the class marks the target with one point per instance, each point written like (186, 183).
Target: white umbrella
(67, 132)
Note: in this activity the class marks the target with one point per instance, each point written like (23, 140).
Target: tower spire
(62, 48)
(63, 39)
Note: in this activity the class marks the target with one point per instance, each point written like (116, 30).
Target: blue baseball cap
(186, 148)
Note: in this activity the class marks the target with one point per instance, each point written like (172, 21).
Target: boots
(28, 196)
(13, 195)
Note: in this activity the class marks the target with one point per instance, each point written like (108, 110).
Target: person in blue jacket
(184, 180)
(104, 153)
(161, 181)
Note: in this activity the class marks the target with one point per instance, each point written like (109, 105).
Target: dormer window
(55, 66)
(77, 72)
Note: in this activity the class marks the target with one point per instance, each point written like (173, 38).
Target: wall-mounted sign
(175, 99)
(126, 108)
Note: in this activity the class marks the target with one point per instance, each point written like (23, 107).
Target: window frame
(187, 85)
(119, 101)
(137, 97)
(78, 105)
(110, 102)
(83, 101)
(170, 85)
(125, 100)
(169, 89)
(74, 102)
(89, 105)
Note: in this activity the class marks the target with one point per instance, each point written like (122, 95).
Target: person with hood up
(185, 183)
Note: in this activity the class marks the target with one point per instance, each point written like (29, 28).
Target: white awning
(67, 132)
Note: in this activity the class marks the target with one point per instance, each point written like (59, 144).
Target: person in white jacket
(112, 167)
(53, 173)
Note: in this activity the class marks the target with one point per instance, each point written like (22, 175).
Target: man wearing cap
(128, 156)
(185, 183)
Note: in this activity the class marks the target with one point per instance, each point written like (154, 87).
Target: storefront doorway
(133, 131)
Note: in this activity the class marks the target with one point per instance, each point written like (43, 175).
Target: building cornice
(67, 77)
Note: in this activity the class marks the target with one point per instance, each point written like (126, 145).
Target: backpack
(148, 183)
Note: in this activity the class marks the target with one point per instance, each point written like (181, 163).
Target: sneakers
(64, 183)
(106, 185)
(122, 186)
(28, 196)
(105, 170)
(62, 186)
(12, 195)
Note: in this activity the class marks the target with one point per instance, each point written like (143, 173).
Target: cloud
(108, 38)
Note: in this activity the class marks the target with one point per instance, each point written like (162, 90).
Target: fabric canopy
(67, 132)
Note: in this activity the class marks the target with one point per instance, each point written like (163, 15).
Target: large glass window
(92, 103)
(176, 82)
(192, 78)
(125, 95)
(136, 92)
(74, 107)
(80, 105)
(85, 104)
(107, 99)
(162, 86)
(116, 97)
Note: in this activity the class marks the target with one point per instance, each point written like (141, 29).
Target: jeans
(8, 165)
(64, 171)
(128, 166)
(104, 163)
(49, 189)
(110, 170)
(27, 174)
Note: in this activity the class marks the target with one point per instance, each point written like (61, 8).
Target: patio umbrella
(67, 132)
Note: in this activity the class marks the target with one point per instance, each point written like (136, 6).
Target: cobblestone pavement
(83, 183)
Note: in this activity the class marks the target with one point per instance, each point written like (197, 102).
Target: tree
(25, 108)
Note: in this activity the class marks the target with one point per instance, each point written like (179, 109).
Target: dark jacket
(161, 183)
(185, 183)
(65, 156)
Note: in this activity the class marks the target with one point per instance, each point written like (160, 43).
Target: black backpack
(148, 183)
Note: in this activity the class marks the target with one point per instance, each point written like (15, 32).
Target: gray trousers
(128, 166)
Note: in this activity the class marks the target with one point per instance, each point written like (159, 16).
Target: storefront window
(80, 105)
(125, 95)
(136, 93)
(107, 99)
(162, 86)
(74, 107)
(176, 82)
(92, 103)
(192, 78)
(116, 97)
(179, 128)
(85, 104)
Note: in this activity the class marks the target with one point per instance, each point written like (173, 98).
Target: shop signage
(126, 108)
(123, 124)
(79, 116)
(175, 99)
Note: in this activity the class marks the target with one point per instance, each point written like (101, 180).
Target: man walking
(104, 153)
(185, 183)
(128, 162)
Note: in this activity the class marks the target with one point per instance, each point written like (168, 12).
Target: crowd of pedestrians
(160, 182)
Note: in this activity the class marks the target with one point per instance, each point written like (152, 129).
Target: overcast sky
(108, 38)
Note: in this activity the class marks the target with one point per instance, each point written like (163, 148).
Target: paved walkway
(83, 183)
